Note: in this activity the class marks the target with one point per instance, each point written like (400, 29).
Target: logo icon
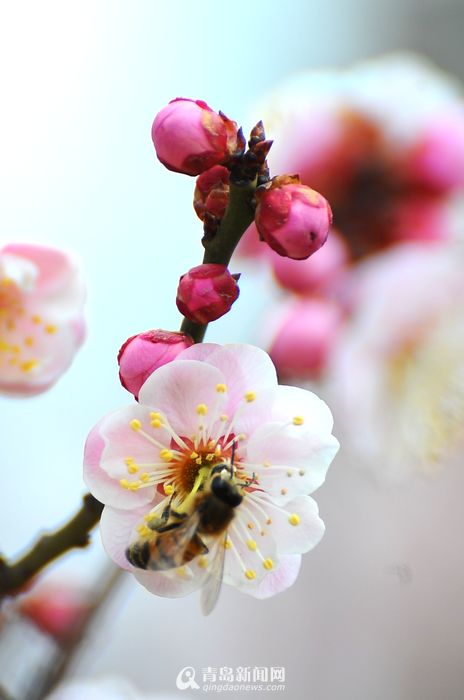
(186, 679)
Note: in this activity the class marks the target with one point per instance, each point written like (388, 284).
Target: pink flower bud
(305, 338)
(206, 292)
(292, 218)
(212, 192)
(143, 353)
(314, 273)
(189, 137)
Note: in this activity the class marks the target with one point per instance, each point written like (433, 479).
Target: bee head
(226, 491)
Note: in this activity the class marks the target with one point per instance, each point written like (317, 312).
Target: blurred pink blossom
(41, 320)
(398, 370)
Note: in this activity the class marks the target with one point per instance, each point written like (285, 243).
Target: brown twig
(74, 533)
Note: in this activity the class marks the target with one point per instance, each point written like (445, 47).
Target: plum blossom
(41, 321)
(398, 370)
(382, 140)
(215, 405)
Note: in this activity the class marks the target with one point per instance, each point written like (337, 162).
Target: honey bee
(177, 536)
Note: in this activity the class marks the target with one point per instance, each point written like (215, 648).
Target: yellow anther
(129, 461)
(218, 451)
(202, 409)
(181, 572)
(4, 347)
(223, 417)
(16, 349)
(268, 564)
(132, 468)
(134, 485)
(266, 464)
(124, 483)
(36, 319)
(250, 396)
(199, 460)
(6, 282)
(50, 328)
(269, 521)
(203, 562)
(28, 365)
(210, 457)
(221, 388)
(251, 544)
(155, 423)
(149, 517)
(144, 477)
(283, 491)
(227, 544)
(135, 424)
(250, 574)
(193, 455)
(166, 455)
(294, 519)
(289, 472)
(250, 526)
(29, 341)
(298, 420)
(168, 489)
(302, 472)
(144, 530)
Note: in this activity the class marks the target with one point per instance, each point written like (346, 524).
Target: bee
(177, 536)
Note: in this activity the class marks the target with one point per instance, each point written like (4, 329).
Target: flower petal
(178, 388)
(101, 458)
(296, 527)
(289, 460)
(277, 580)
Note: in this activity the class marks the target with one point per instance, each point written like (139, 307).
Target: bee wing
(212, 586)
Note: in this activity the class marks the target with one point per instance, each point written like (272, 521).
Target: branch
(74, 534)
(239, 215)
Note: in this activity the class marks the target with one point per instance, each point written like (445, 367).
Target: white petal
(178, 388)
(174, 583)
(289, 460)
(245, 368)
(116, 528)
(277, 580)
(290, 538)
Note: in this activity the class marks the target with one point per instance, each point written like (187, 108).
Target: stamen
(294, 519)
(250, 396)
(202, 409)
(221, 388)
(298, 420)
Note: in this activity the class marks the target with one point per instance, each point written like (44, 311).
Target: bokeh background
(377, 610)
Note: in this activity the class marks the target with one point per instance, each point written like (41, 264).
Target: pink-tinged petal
(291, 402)
(54, 266)
(277, 581)
(33, 356)
(173, 583)
(289, 460)
(178, 388)
(198, 351)
(295, 528)
(246, 368)
(285, 404)
(104, 487)
(116, 527)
